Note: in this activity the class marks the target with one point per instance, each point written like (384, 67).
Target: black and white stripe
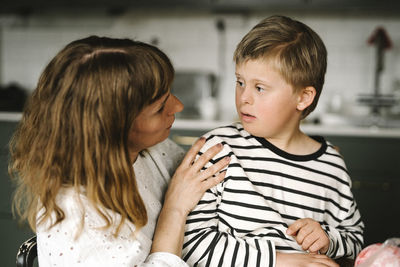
(243, 220)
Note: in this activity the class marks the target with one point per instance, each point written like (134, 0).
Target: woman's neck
(133, 155)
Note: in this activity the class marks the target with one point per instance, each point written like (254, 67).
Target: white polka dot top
(59, 246)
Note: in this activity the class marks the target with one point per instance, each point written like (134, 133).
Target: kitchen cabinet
(374, 166)
(372, 159)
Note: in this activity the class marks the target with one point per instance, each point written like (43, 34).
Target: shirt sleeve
(210, 241)
(71, 243)
(163, 259)
(99, 250)
(346, 239)
(346, 232)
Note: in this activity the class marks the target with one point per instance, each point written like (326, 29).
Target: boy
(284, 192)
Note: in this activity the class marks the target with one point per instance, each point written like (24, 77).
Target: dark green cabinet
(374, 166)
(11, 233)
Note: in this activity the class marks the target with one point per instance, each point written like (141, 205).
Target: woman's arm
(186, 188)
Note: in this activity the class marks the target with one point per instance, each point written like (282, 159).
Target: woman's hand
(188, 184)
(186, 188)
(304, 260)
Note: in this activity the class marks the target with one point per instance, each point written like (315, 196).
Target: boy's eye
(259, 89)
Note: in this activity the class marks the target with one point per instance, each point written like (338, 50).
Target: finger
(320, 245)
(205, 158)
(213, 181)
(316, 246)
(292, 229)
(304, 233)
(216, 167)
(193, 151)
(308, 241)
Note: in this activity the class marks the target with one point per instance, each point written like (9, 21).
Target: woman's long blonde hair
(74, 128)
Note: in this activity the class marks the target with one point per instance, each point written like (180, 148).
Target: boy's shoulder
(232, 129)
(232, 136)
(332, 154)
(332, 148)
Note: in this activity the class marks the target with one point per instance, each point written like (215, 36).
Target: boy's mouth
(245, 113)
(246, 116)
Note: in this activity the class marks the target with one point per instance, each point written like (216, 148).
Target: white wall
(192, 42)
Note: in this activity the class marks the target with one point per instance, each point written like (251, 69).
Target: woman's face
(153, 124)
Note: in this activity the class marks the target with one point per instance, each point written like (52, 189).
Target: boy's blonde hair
(74, 130)
(292, 48)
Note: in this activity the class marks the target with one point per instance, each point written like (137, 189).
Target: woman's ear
(306, 97)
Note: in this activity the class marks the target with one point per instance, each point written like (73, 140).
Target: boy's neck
(295, 142)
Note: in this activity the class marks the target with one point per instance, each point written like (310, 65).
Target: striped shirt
(243, 220)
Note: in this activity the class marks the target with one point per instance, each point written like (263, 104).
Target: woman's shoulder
(166, 154)
(79, 211)
(167, 147)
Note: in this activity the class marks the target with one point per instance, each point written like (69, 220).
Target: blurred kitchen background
(359, 109)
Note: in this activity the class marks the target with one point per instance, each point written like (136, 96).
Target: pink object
(380, 35)
(380, 255)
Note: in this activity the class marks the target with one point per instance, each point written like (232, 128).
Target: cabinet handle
(184, 140)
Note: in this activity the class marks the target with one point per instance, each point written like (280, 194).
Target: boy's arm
(343, 240)
(209, 241)
(346, 239)
(345, 232)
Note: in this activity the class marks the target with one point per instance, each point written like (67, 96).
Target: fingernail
(227, 158)
(219, 145)
(202, 138)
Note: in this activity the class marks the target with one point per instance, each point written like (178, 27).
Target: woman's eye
(239, 83)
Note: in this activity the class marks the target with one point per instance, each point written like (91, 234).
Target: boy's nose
(246, 97)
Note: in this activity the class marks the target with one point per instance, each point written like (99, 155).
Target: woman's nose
(176, 105)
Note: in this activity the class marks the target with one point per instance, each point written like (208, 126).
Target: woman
(100, 106)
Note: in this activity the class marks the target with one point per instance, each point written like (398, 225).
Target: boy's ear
(306, 97)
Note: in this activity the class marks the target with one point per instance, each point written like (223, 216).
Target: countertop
(10, 116)
(314, 129)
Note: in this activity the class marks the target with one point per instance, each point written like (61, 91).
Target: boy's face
(266, 104)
